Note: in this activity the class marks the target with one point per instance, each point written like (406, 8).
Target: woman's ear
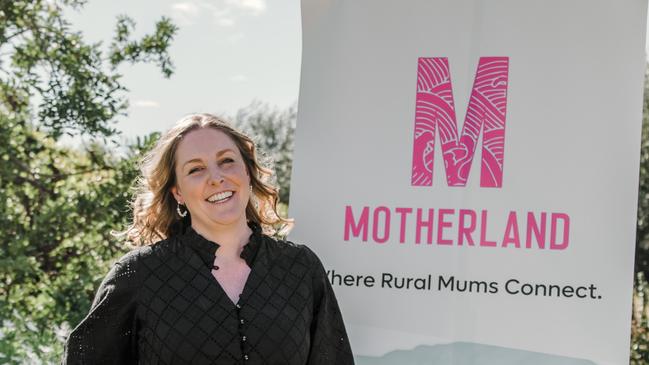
(176, 193)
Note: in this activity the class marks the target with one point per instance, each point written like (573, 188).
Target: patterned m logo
(435, 110)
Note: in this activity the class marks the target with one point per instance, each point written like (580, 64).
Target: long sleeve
(108, 333)
(329, 341)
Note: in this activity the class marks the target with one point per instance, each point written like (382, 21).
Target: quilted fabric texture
(160, 304)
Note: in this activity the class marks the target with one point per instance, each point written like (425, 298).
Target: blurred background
(85, 89)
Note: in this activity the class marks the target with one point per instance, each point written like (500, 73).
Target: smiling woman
(212, 181)
(215, 288)
(178, 160)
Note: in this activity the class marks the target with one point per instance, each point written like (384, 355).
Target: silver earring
(181, 213)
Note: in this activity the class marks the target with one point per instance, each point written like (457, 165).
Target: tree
(59, 204)
(642, 232)
(273, 131)
(640, 319)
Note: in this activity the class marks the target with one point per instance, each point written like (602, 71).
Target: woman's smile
(221, 197)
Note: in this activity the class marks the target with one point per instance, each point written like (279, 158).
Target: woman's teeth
(220, 197)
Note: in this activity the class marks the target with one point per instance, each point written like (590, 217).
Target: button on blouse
(160, 304)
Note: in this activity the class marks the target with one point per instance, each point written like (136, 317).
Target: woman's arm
(329, 341)
(108, 333)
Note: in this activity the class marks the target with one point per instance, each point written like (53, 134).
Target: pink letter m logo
(435, 110)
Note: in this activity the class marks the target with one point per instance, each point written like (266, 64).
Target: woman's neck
(230, 239)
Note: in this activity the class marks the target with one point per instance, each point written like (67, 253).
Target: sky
(227, 53)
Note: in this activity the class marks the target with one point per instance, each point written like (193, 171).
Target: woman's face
(211, 180)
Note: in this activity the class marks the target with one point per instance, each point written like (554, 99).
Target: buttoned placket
(242, 323)
(242, 333)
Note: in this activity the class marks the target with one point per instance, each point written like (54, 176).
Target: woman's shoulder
(135, 267)
(158, 251)
(293, 249)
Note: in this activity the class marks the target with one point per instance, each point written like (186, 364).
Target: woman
(215, 288)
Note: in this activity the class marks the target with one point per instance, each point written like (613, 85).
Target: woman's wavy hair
(154, 207)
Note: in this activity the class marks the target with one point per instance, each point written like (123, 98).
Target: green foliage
(273, 130)
(640, 322)
(79, 91)
(152, 48)
(642, 233)
(60, 207)
(59, 204)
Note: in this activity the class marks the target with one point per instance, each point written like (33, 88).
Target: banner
(467, 171)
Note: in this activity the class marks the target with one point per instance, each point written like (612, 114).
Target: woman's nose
(215, 176)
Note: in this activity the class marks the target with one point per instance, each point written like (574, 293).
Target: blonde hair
(154, 207)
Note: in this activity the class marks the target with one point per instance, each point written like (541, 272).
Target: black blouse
(160, 304)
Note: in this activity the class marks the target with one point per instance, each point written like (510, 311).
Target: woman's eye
(227, 160)
(193, 170)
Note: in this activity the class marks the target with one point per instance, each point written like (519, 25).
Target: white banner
(467, 171)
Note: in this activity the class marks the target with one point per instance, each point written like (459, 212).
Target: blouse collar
(207, 249)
